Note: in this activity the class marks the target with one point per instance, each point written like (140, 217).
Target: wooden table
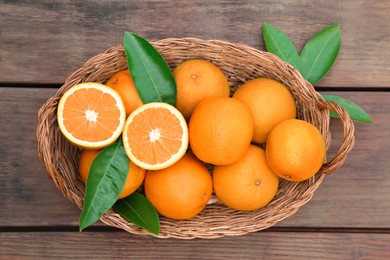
(42, 42)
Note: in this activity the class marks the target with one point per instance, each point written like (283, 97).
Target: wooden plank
(43, 42)
(27, 195)
(346, 198)
(260, 245)
(355, 196)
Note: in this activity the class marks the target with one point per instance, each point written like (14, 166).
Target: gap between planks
(26, 229)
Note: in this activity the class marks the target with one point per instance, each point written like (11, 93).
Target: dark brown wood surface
(42, 42)
(264, 245)
(48, 40)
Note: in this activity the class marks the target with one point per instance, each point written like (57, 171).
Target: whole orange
(195, 80)
(270, 103)
(220, 130)
(247, 184)
(180, 191)
(295, 150)
(123, 83)
(134, 179)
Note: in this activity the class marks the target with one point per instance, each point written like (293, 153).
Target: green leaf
(137, 209)
(278, 43)
(320, 52)
(152, 76)
(355, 112)
(106, 179)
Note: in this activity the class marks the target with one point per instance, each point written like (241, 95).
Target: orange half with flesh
(91, 115)
(155, 136)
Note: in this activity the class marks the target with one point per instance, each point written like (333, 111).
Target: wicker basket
(239, 63)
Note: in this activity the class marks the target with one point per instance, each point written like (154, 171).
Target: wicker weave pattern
(240, 63)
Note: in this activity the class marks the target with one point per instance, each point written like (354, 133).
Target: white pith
(154, 135)
(91, 115)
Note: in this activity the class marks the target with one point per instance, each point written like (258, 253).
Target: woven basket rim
(53, 149)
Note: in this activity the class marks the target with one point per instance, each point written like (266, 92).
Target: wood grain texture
(260, 245)
(355, 196)
(44, 41)
(27, 196)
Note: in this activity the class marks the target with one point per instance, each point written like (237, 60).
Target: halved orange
(155, 136)
(91, 115)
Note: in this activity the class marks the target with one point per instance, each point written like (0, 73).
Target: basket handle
(348, 139)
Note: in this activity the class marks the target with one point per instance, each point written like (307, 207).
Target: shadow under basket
(240, 63)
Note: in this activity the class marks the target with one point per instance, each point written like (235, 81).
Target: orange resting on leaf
(155, 136)
(134, 179)
(91, 115)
